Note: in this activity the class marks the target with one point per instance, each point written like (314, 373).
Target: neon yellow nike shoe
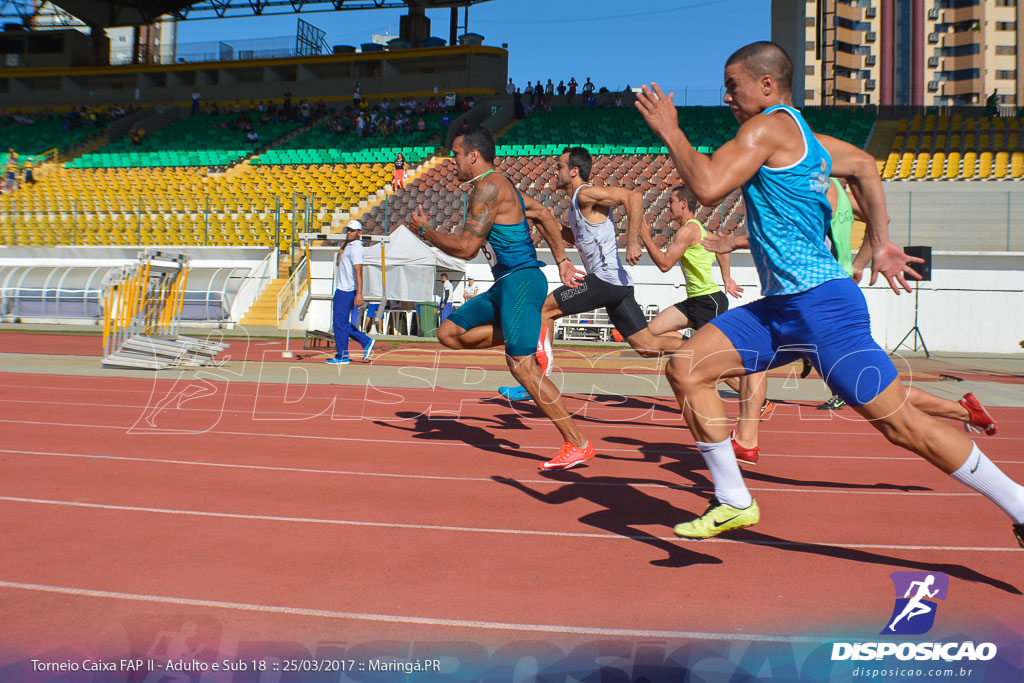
(717, 518)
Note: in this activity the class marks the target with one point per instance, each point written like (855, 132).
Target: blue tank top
(509, 247)
(787, 213)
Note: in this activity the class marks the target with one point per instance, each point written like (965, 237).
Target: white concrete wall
(975, 302)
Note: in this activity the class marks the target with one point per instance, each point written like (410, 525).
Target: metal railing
(296, 289)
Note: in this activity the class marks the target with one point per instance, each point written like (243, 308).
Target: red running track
(134, 507)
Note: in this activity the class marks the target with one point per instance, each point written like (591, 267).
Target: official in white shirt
(348, 295)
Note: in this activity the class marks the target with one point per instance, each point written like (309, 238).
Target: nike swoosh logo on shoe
(718, 524)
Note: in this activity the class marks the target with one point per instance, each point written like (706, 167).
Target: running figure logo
(914, 612)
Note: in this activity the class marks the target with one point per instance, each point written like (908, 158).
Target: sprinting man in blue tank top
(509, 313)
(811, 307)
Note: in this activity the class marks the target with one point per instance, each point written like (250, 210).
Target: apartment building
(902, 52)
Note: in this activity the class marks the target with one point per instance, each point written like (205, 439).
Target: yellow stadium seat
(921, 166)
(953, 166)
(1017, 165)
(970, 160)
(985, 165)
(906, 166)
(938, 164)
(1002, 161)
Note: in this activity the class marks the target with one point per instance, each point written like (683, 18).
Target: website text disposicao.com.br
(903, 673)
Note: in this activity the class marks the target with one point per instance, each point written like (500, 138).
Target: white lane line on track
(400, 619)
(496, 428)
(421, 442)
(481, 530)
(488, 400)
(434, 477)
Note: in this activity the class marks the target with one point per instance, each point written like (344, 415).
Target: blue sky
(681, 44)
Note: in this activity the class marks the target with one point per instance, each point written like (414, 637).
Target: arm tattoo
(483, 207)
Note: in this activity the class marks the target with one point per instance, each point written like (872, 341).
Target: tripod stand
(915, 330)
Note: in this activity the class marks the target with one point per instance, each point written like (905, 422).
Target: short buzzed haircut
(580, 158)
(765, 58)
(480, 139)
(685, 194)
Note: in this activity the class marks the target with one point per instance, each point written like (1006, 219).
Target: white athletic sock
(725, 473)
(982, 475)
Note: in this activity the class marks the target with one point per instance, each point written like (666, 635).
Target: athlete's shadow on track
(528, 410)
(681, 462)
(633, 402)
(447, 429)
(624, 508)
(857, 555)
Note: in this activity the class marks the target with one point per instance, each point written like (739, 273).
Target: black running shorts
(617, 300)
(700, 310)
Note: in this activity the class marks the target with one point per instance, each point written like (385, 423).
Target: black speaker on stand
(925, 271)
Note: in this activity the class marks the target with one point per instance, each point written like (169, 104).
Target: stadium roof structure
(107, 13)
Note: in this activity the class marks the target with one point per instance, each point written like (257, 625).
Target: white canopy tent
(412, 268)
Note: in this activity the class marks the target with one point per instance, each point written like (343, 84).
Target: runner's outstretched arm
(723, 244)
(610, 197)
(551, 230)
(685, 238)
(858, 167)
(735, 162)
(731, 288)
(482, 208)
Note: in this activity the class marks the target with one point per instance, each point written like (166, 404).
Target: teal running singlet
(787, 214)
(509, 247)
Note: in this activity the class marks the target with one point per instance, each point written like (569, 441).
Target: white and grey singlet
(597, 245)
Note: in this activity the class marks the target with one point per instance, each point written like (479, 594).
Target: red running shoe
(545, 356)
(980, 420)
(569, 456)
(744, 454)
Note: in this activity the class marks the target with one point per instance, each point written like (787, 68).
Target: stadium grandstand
(202, 479)
(243, 170)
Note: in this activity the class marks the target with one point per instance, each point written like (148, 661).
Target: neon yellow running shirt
(696, 262)
(840, 229)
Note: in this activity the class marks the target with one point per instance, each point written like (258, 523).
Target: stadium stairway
(372, 202)
(264, 309)
(232, 171)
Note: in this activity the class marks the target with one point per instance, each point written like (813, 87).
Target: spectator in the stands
(399, 182)
(992, 104)
(11, 179)
(252, 136)
(572, 88)
(510, 89)
(446, 121)
(561, 88)
(196, 97)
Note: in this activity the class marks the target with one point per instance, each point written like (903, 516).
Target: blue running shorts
(829, 325)
(513, 303)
